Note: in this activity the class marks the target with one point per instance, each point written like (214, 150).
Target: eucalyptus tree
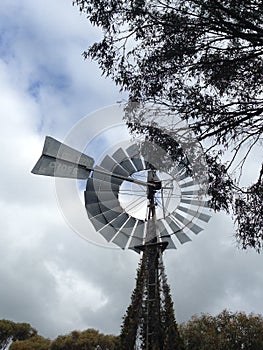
(202, 59)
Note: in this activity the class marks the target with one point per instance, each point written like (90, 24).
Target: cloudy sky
(51, 277)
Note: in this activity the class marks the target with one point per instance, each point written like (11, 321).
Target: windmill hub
(133, 197)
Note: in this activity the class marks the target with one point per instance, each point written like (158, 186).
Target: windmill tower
(149, 323)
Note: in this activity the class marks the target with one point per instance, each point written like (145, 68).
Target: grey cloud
(40, 254)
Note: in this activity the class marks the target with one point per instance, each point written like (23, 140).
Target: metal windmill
(173, 210)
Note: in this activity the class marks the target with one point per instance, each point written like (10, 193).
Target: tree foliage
(21, 336)
(226, 331)
(89, 339)
(202, 59)
(11, 331)
(34, 343)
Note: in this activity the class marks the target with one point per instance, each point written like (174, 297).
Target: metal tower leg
(149, 323)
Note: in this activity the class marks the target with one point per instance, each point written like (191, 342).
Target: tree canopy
(201, 59)
(225, 331)
(11, 331)
(89, 339)
(34, 343)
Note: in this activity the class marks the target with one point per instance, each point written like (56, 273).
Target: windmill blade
(111, 206)
(165, 236)
(103, 186)
(120, 220)
(195, 202)
(134, 153)
(98, 222)
(106, 177)
(121, 240)
(60, 160)
(177, 231)
(113, 167)
(107, 196)
(121, 158)
(196, 214)
(188, 224)
(93, 209)
(138, 235)
(188, 184)
(124, 230)
(123, 235)
(99, 203)
(129, 225)
(192, 192)
(108, 232)
(110, 215)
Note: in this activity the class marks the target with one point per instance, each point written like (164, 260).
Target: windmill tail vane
(60, 160)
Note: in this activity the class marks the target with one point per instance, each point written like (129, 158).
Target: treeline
(225, 331)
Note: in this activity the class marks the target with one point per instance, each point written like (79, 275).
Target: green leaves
(226, 331)
(22, 336)
(35, 343)
(88, 340)
(11, 331)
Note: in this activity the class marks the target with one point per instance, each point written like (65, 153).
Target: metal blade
(98, 222)
(93, 209)
(111, 205)
(120, 220)
(188, 184)
(138, 234)
(121, 157)
(192, 193)
(121, 239)
(196, 202)
(111, 215)
(108, 232)
(103, 186)
(106, 177)
(165, 236)
(177, 231)
(123, 235)
(196, 214)
(129, 225)
(189, 224)
(110, 164)
(134, 153)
